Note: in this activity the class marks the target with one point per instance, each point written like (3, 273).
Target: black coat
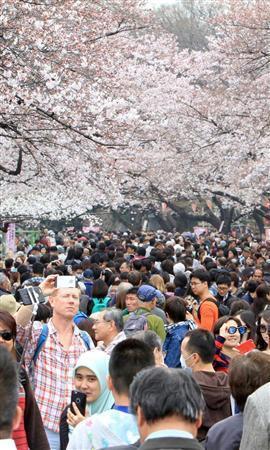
(64, 429)
(167, 443)
(171, 443)
(226, 434)
(125, 447)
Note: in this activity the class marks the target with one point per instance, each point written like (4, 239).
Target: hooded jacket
(174, 337)
(216, 392)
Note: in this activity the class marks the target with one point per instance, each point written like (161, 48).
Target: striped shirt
(53, 376)
(221, 361)
(19, 435)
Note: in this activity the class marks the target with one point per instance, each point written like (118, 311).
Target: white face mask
(183, 361)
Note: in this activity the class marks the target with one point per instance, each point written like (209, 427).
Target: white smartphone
(66, 281)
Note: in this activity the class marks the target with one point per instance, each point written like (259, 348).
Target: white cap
(179, 267)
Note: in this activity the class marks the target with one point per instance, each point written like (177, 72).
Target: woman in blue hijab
(90, 378)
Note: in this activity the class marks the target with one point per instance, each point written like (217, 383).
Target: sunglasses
(6, 335)
(264, 329)
(233, 330)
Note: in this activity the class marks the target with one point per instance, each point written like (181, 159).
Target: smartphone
(80, 400)
(66, 281)
(246, 347)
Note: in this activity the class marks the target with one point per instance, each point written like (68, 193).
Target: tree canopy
(99, 106)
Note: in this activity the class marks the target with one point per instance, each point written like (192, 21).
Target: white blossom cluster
(99, 107)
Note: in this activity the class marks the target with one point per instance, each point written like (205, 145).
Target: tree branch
(18, 169)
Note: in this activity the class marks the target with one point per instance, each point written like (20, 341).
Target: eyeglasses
(6, 335)
(97, 322)
(233, 330)
(264, 328)
(222, 288)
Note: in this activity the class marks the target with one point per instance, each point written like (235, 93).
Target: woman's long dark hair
(260, 342)
(261, 300)
(249, 320)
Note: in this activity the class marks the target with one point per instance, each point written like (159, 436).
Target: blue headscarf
(98, 362)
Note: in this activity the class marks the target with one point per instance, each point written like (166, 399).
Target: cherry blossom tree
(215, 126)
(69, 103)
(99, 107)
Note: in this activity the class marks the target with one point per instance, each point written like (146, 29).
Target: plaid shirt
(53, 378)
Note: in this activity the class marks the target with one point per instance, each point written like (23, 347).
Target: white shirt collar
(170, 433)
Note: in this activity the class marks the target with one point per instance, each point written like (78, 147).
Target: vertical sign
(11, 238)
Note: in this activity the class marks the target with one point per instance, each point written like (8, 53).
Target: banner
(11, 238)
(199, 230)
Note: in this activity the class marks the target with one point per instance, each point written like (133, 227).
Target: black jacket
(227, 300)
(167, 443)
(171, 443)
(124, 447)
(226, 434)
(64, 429)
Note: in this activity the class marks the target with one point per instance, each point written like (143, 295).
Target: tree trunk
(259, 219)
(208, 217)
(227, 217)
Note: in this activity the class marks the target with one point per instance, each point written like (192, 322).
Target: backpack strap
(41, 341)
(209, 300)
(44, 334)
(86, 339)
(96, 301)
(79, 316)
(138, 314)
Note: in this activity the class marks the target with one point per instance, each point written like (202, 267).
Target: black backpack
(223, 310)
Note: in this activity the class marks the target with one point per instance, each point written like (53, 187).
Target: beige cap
(8, 303)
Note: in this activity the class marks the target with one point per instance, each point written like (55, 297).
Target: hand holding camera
(36, 294)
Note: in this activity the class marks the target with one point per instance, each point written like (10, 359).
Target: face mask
(183, 361)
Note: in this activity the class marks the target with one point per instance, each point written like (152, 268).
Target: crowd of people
(161, 341)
